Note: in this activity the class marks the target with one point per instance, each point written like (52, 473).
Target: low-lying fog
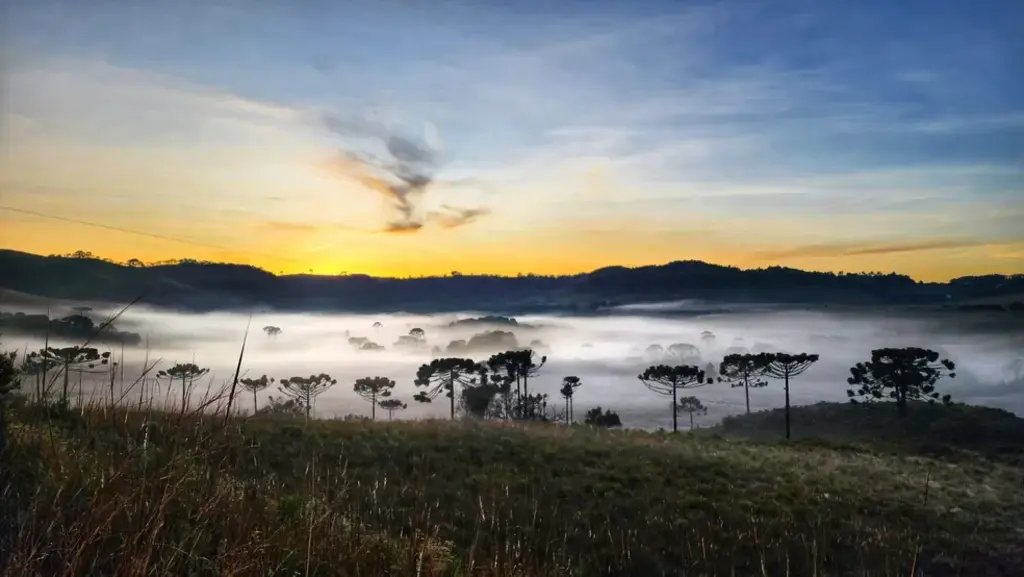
(606, 352)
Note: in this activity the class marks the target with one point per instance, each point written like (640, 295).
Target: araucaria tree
(443, 375)
(682, 354)
(666, 380)
(69, 359)
(693, 406)
(526, 364)
(900, 375)
(745, 370)
(187, 373)
(569, 386)
(373, 389)
(504, 370)
(38, 365)
(392, 405)
(786, 366)
(255, 386)
(305, 390)
(272, 331)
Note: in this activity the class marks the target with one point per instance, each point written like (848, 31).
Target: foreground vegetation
(117, 492)
(502, 488)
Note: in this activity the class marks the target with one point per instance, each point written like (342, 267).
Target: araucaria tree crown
(373, 389)
(900, 375)
(666, 380)
(442, 375)
(305, 390)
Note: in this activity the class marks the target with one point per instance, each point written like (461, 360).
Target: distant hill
(931, 429)
(208, 286)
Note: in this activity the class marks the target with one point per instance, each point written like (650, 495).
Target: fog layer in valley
(606, 352)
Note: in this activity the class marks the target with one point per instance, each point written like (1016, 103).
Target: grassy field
(112, 492)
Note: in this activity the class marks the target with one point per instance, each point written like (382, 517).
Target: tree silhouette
(708, 338)
(38, 365)
(607, 419)
(255, 386)
(418, 334)
(693, 406)
(9, 383)
(900, 375)
(745, 370)
(526, 367)
(392, 405)
(377, 325)
(272, 331)
(666, 380)
(69, 359)
(710, 371)
(477, 398)
(305, 390)
(504, 370)
(654, 352)
(786, 366)
(373, 389)
(442, 375)
(569, 386)
(187, 373)
(683, 354)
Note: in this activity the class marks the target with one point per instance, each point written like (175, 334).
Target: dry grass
(130, 492)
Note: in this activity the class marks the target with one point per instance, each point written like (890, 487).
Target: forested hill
(197, 285)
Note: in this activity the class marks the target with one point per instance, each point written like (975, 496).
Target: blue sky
(824, 123)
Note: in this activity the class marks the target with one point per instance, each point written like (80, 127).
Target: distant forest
(202, 285)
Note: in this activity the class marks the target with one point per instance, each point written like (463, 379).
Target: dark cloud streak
(852, 249)
(404, 178)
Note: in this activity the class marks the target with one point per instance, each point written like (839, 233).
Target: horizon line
(87, 255)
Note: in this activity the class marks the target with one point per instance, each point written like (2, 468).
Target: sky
(523, 136)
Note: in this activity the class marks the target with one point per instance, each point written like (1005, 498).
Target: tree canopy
(373, 389)
(900, 375)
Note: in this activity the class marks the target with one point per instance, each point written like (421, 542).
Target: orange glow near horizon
(405, 256)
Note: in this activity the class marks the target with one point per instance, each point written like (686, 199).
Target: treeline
(498, 388)
(200, 285)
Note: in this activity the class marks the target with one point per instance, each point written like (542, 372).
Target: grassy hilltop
(114, 492)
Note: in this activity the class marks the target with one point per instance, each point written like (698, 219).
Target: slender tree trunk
(675, 413)
(567, 416)
(526, 393)
(691, 420)
(255, 403)
(373, 408)
(787, 404)
(451, 380)
(518, 395)
(746, 392)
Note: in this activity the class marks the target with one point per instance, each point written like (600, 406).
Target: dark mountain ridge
(200, 286)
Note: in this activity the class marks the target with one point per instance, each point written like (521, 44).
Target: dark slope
(205, 286)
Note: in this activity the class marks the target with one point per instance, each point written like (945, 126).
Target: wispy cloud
(710, 117)
(831, 250)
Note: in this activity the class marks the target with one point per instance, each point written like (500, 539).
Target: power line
(132, 231)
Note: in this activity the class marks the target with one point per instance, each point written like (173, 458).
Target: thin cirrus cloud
(837, 122)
